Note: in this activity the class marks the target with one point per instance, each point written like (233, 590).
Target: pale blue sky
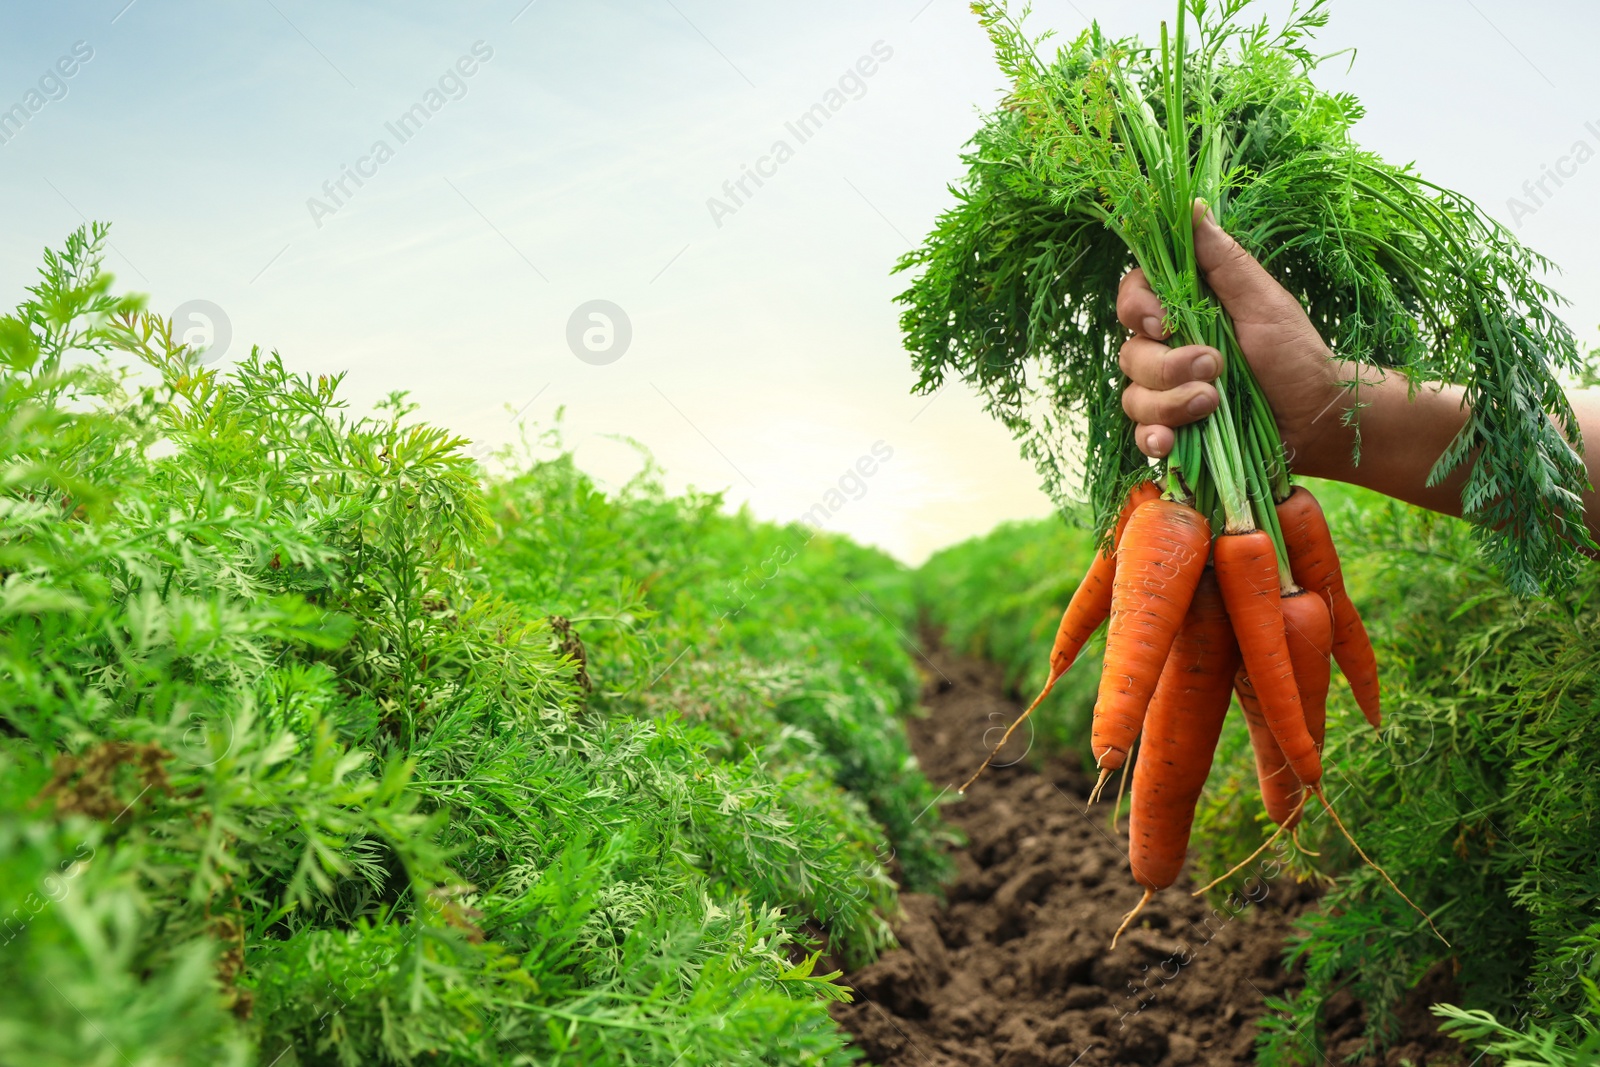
(578, 164)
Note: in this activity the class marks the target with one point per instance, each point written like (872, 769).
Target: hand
(1172, 387)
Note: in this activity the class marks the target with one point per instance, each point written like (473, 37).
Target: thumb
(1233, 274)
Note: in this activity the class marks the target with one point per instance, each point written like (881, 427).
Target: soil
(1012, 968)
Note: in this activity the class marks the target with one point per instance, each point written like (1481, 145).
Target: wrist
(1322, 445)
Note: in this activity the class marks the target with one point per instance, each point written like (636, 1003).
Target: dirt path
(1013, 970)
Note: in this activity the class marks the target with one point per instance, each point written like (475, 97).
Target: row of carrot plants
(318, 746)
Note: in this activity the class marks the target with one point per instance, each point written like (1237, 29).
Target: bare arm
(1401, 435)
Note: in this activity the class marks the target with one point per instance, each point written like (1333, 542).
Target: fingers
(1169, 407)
(1170, 387)
(1155, 366)
(1137, 306)
(1154, 441)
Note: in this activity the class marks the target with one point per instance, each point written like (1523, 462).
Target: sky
(565, 232)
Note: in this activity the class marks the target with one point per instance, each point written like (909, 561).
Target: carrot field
(451, 614)
(323, 744)
(322, 747)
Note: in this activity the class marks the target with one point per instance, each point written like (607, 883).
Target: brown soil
(1013, 970)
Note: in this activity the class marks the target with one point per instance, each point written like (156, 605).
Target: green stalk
(1217, 463)
(1185, 466)
(1266, 512)
(1261, 419)
(1227, 467)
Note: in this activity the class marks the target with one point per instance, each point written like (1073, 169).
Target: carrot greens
(1091, 165)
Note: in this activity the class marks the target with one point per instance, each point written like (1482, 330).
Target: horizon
(589, 210)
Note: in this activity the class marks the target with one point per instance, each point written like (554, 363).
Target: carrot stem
(1226, 464)
(1261, 494)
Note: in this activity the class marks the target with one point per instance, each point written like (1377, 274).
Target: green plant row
(316, 749)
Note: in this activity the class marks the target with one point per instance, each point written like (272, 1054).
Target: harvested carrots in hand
(1230, 581)
(1195, 619)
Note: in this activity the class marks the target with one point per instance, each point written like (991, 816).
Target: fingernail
(1209, 215)
(1202, 405)
(1153, 327)
(1204, 367)
(1150, 442)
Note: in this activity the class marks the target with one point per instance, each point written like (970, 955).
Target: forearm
(1401, 437)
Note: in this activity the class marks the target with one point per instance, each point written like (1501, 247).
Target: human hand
(1172, 387)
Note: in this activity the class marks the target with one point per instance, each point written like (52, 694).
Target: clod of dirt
(1014, 969)
(898, 983)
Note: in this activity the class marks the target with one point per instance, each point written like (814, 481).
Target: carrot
(1308, 635)
(1314, 561)
(1092, 602)
(1281, 791)
(1308, 629)
(1180, 737)
(1085, 612)
(1159, 564)
(1247, 572)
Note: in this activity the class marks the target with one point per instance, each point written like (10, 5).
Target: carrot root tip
(1128, 918)
(1100, 784)
(1298, 808)
(1007, 735)
(1368, 860)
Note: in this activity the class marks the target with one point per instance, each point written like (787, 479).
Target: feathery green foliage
(296, 767)
(1480, 798)
(1015, 288)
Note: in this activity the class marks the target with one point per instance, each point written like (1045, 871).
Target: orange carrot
(1308, 634)
(1308, 629)
(1085, 612)
(1092, 602)
(1180, 737)
(1247, 572)
(1281, 791)
(1315, 564)
(1159, 563)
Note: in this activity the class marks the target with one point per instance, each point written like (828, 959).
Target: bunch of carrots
(1193, 620)
(1220, 576)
